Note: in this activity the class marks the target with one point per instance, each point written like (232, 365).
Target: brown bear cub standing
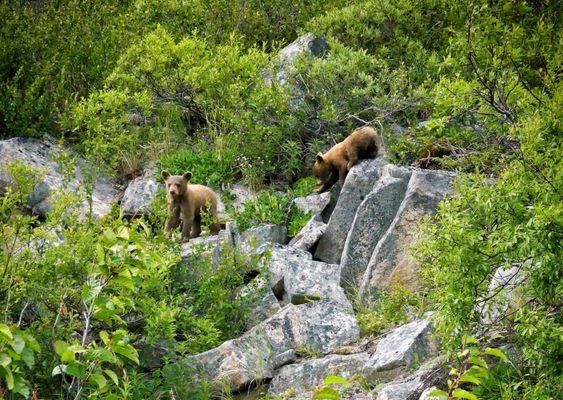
(334, 165)
(186, 203)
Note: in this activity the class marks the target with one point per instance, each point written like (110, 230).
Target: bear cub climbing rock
(334, 165)
(186, 203)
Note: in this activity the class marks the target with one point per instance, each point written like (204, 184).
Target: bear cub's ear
(320, 157)
(187, 176)
(165, 175)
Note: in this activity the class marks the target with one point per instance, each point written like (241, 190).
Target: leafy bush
(393, 307)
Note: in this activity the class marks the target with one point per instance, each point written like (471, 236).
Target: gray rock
(310, 373)
(359, 183)
(314, 203)
(373, 217)
(392, 259)
(313, 281)
(260, 235)
(266, 306)
(310, 234)
(321, 326)
(41, 155)
(401, 390)
(140, 193)
(307, 45)
(399, 350)
(503, 295)
(211, 246)
(241, 195)
(277, 260)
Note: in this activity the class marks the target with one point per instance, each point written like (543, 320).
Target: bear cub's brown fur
(334, 165)
(186, 202)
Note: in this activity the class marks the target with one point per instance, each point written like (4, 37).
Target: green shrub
(393, 307)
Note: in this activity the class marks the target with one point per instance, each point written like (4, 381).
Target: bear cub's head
(176, 185)
(321, 169)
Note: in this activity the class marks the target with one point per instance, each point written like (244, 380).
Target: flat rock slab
(140, 194)
(359, 183)
(403, 390)
(41, 155)
(310, 234)
(392, 260)
(311, 373)
(319, 326)
(372, 219)
(314, 203)
(312, 281)
(399, 350)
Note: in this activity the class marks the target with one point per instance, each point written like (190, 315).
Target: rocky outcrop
(401, 390)
(359, 183)
(399, 350)
(310, 373)
(392, 260)
(372, 219)
(307, 45)
(314, 203)
(42, 155)
(310, 234)
(318, 326)
(140, 194)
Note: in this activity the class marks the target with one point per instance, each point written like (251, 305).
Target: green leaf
(77, 370)
(7, 373)
(5, 360)
(19, 344)
(438, 393)
(105, 337)
(5, 330)
(28, 357)
(60, 347)
(464, 394)
(68, 356)
(327, 393)
(496, 352)
(469, 378)
(112, 375)
(128, 351)
(100, 380)
(336, 380)
(479, 361)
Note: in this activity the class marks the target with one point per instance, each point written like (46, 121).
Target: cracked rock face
(397, 352)
(140, 193)
(308, 373)
(371, 221)
(359, 183)
(401, 390)
(318, 326)
(41, 155)
(392, 260)
(308, 237)
(314, 203)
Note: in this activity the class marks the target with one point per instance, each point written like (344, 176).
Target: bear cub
(334, 165)
(186, 202)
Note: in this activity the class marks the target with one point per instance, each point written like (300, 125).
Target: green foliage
(393, 307)
(268, 207)
(17, 354)
(204, 165)
(331, 389)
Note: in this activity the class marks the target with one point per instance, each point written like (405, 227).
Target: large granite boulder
(140, 194)
(372, 219)
(307, 45)
(260, 235)
(42, 156)
(314, 203)
(400, 349)
(392, 260)
(312, 281)
(300, 377)
(403, 390)
(310, 234)
(359, 183)
(319, 326)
